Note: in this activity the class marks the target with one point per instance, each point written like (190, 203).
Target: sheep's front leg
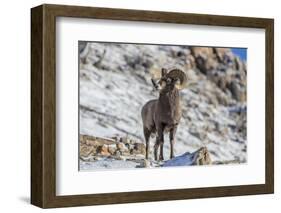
(156, 146)
(159, 142)
(172, 141)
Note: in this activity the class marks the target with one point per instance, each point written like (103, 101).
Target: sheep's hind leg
(161, 156)
(147, 134)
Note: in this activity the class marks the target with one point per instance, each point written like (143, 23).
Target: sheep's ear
(164, 72)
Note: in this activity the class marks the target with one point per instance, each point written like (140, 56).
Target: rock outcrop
(93, 148)
(101, 153)
(199, 157)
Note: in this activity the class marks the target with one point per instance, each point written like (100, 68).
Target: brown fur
(162, 115)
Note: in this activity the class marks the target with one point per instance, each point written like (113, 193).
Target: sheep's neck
(169, 102)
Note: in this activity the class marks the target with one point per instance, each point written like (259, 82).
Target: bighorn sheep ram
(164, 114)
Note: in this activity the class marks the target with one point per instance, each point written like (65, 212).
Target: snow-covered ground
(106, 164)
(115, 84)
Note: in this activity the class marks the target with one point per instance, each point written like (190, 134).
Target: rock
(92, 142)
(205, 58)
(205, 52)
(139, 148)
(95, 141)
(211, 64)
(224, 55)
(83, 51)
(122, 148)
(222, 98)
(125, 140)
(103, 150)
(85, 151)
(118, 155)
(202, 157)
(199, 157)
(238, 64)
(116, 138)
(130, 146)
(237, 91)
(201, 64)
(145, 164)
(190, 62)
(112, 149)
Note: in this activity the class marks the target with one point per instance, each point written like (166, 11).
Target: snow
(107, 164)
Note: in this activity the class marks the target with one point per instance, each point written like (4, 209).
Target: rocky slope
(115, 82)
(113, 153)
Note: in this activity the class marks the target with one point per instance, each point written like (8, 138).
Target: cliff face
(115, 82)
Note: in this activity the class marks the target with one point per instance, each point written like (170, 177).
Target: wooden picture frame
(43, 105)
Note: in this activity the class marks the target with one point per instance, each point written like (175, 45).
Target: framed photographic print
(136, 106)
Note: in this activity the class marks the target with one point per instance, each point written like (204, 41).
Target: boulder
(237, 91)
(205, 52)
(138, 148)
(199, 157)
(190, 62)
(103, 150)
(125, 140)
(122, 148)
(85, 150)
(112, 149)
(224, 55)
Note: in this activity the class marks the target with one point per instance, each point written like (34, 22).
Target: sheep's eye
(168, 80)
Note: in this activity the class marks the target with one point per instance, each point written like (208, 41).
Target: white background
(15, 105)
(69, 181)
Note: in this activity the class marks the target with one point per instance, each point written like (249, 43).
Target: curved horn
(178, 74)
